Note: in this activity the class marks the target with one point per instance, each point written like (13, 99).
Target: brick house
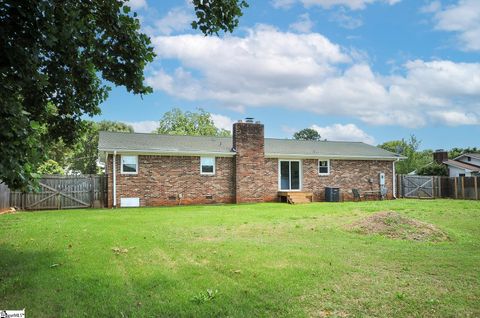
(152, 170)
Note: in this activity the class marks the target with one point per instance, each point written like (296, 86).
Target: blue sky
(368, 70)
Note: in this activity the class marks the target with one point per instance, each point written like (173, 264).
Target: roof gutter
(394, 178)
(231, 154)
(340, 157)
(171, 152)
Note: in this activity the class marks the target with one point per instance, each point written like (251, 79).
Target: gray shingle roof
(154, 143)
(462, 165)
(469, 154)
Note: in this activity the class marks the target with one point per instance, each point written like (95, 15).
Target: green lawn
(257, 260)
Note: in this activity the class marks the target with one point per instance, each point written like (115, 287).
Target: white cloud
(177, 19)
(432, 7)
(307, 72)
(351, 4)
(137, 4)
(348, 132)
(232, 64)
(222, 121)
(303, 25)
(146, 126)
(283, 4)
(462, 18)
(456, 118)
(346, 21)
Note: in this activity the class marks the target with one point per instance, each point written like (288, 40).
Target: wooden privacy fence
(4, 196)
(63, 192)
(430, 187)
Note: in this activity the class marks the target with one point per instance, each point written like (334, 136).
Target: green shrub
(433, 169)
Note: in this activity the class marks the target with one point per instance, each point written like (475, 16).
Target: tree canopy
(214, 16)
(57, 60)
(307, 134)
(50, 167)
(199, 123)
(408, 148)
(82, 155)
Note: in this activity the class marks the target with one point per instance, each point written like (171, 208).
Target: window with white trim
(207, 165)
(324, 167)
(129, 165)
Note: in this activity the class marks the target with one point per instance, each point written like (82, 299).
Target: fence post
(455, 186)
(92, 192)
(462, 179)
(439, 186)
(433, 188)
(475, 183)
(402, 190)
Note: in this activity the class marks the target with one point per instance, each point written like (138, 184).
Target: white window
(207, 165)
(129, 165)
(324, 167)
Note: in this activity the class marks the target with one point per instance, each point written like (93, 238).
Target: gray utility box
(332, 194)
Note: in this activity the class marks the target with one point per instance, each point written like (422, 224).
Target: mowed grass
(265, 260)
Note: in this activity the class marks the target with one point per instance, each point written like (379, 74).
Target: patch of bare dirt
(7, 211)
(397, 226)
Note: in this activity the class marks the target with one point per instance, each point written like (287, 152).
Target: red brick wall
(346, 174)
(161, 179)
(248, 140)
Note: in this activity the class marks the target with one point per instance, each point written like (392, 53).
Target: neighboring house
(152, 169)
(465, 165)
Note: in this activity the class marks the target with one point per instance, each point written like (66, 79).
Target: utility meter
(382, 178)
(383, 188)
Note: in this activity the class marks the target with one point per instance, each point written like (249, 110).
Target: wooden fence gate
(63, 192)
(418, 187)
(465, 188)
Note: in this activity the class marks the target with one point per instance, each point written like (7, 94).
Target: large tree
(408, 148)
(307, 134)
(199, 123)
(85, 150)
(82, 156)
(56, 60)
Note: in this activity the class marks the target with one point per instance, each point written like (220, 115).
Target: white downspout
(394, 180)
(114, 179)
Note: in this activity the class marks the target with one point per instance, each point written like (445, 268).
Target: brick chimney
(249, 144)
(440, 156)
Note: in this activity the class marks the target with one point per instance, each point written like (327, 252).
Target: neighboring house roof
(462, 165)
(472, 155)
(274, 148)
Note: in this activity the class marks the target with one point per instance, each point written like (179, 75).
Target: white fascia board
(169, 153)
(301, 156)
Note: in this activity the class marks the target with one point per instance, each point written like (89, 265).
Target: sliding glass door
(289, 175)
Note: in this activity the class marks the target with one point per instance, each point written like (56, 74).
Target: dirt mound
(396, 226)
